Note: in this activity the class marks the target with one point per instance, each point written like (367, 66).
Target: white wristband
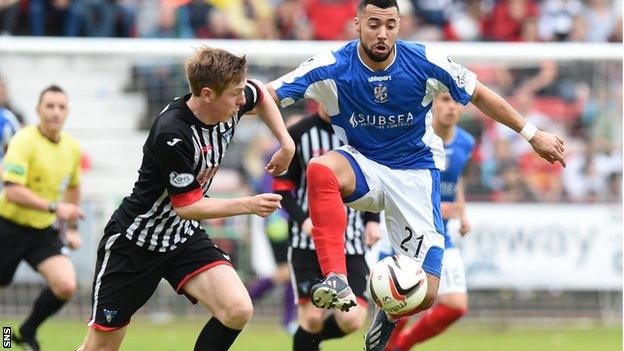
(528, 131)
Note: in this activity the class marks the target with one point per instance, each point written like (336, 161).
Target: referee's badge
(381, 93)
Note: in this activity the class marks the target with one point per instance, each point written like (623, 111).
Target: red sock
(434, 321)
(328, 217)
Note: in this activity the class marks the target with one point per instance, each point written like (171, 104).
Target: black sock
(215, 337)
(306, 341)
(46, 305)
(331, 330)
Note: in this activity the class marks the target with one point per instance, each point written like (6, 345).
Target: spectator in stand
(530, 33)
(601, 19)
(92, 18)
(168, 25)
(196, 15)
(491, 167)
(248, 17)
(514, 187)
(465, 21)
(432, 12)
(616, 37)
(412, 26)
(291, 21)
(329, 17)
(557, 17)
(48, 17)
(578, 33)
(507, 19)
(544, 180)
(594, 170)
(217, 26)
(9, 13)
(128, 10)
(501, 175)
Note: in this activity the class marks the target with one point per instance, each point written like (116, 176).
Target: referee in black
(155, 233)
(314, 136)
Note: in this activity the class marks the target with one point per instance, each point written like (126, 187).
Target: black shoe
(26, 343)
(379, 332)
(333, 292)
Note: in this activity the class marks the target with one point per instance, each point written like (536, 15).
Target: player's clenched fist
(281, 159)
(68, 212)
(265, 204)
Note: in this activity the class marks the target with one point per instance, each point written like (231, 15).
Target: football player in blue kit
(452, 301)
(378, 91)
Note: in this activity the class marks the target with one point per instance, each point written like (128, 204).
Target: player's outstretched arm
(270, 114)
(23, 196)
(549, 146)
(206, 208)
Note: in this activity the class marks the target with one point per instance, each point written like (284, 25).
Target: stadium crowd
(422, 20)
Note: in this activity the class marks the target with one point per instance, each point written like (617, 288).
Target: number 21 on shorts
(419, 239)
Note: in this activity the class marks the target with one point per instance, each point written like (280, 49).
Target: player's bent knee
(64, 290)
(237, 315)
(312, 323)
(352, 323)
(330, 160)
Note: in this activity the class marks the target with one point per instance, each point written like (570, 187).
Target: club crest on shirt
(381, 93)
(180, 180)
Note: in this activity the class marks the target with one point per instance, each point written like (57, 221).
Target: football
(398, 284)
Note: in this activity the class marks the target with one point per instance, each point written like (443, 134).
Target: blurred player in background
(452, 301)
(378, 91)
(9, 125)
(276, 229)
(155, 233)
(40, 198)
(314, 136)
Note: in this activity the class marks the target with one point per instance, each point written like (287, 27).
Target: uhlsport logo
(381, 121)
(374, 79)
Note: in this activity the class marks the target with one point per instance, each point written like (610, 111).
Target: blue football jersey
(385, 115)
(458, 152)
(8, 127)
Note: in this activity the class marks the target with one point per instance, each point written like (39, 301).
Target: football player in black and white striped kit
(313, 137)
(155, 232)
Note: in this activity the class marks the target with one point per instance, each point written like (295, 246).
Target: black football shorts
(127, 275)
(19, 243)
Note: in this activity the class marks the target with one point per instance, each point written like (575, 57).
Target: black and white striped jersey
(180, 158)
(314, 137)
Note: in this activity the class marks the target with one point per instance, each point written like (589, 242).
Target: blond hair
(214, 68)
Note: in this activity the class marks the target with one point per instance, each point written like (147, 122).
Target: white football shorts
(411, 200)
(453, 279)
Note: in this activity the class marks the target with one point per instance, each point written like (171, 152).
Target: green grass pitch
(180, 335)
